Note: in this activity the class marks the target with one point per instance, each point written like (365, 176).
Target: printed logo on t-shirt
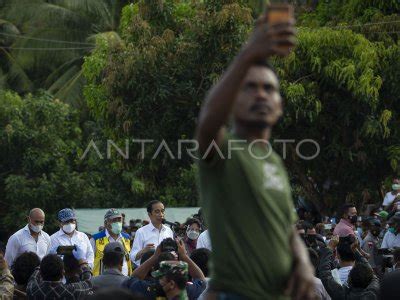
(272, 180)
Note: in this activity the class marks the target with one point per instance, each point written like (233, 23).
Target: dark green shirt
(248, 206)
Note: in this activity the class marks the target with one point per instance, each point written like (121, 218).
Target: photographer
(198, 278)
(361, 283)
(46, 281)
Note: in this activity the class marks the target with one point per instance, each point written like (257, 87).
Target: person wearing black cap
(113, 260)
(392, 236)
(371, 243)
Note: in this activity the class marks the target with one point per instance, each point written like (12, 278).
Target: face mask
(192, 234)
(396, 187)
(392, 230)
(353, 219)
(68, 228)
(116, 228)
(36, 228)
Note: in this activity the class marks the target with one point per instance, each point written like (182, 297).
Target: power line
(44, 40)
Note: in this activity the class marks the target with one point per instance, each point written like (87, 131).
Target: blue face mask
(116, 227)
(392, 230)
(396, 187)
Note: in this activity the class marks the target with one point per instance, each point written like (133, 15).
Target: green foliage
(41, 143)
(339, 86)
(62, 32)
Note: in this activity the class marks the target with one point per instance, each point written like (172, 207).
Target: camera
(168, 245)
(65, 250)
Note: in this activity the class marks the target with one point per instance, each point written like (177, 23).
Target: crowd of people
(248, 242)
(145, 259)
(355, 258)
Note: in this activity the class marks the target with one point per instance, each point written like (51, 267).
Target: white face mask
(192, 234)
(36, 228)
(68, 228)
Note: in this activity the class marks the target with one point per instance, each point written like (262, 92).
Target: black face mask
(302, 236)
(312, 238)
(353, 219)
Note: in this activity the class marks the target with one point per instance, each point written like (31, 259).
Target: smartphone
(65, 250)
(279, 13)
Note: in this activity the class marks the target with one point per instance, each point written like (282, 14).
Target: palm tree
(55, 37)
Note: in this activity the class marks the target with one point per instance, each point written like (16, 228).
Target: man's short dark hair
(146, 256)
(344, 251)
(113, 259)
(51, 268)
(308, 225)
(114, 293)
(200, 257)
(193, 221)
(24, 266)
(149, 206)
(265, 64)
(179, 279)
(345, 208)
(71, 264)
(360, 275)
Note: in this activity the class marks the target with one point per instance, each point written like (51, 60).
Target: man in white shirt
(151, 235)
(392, 236)
(390, 196)
(204, 241)
(31, 238)
(69, 236)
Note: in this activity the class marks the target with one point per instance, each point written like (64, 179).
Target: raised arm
(144, 269)
(194, 269)
(263, 43)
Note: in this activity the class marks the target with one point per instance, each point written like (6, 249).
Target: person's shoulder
(99, 235)
(143, 228)
(55, 234)
(125, 235)
(45, 235)
(168, 229)
(17, 234)
(82, 235)
(203, 235)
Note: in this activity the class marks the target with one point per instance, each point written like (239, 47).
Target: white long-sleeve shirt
(204, 241)
(60, 238)
(148, 234)
(22, 241)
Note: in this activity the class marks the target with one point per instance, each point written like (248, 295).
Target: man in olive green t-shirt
(244, 188)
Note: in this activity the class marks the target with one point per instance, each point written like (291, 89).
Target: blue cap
(66, 214)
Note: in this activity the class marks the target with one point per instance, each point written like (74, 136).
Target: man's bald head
(36, 218)
(36, 212)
